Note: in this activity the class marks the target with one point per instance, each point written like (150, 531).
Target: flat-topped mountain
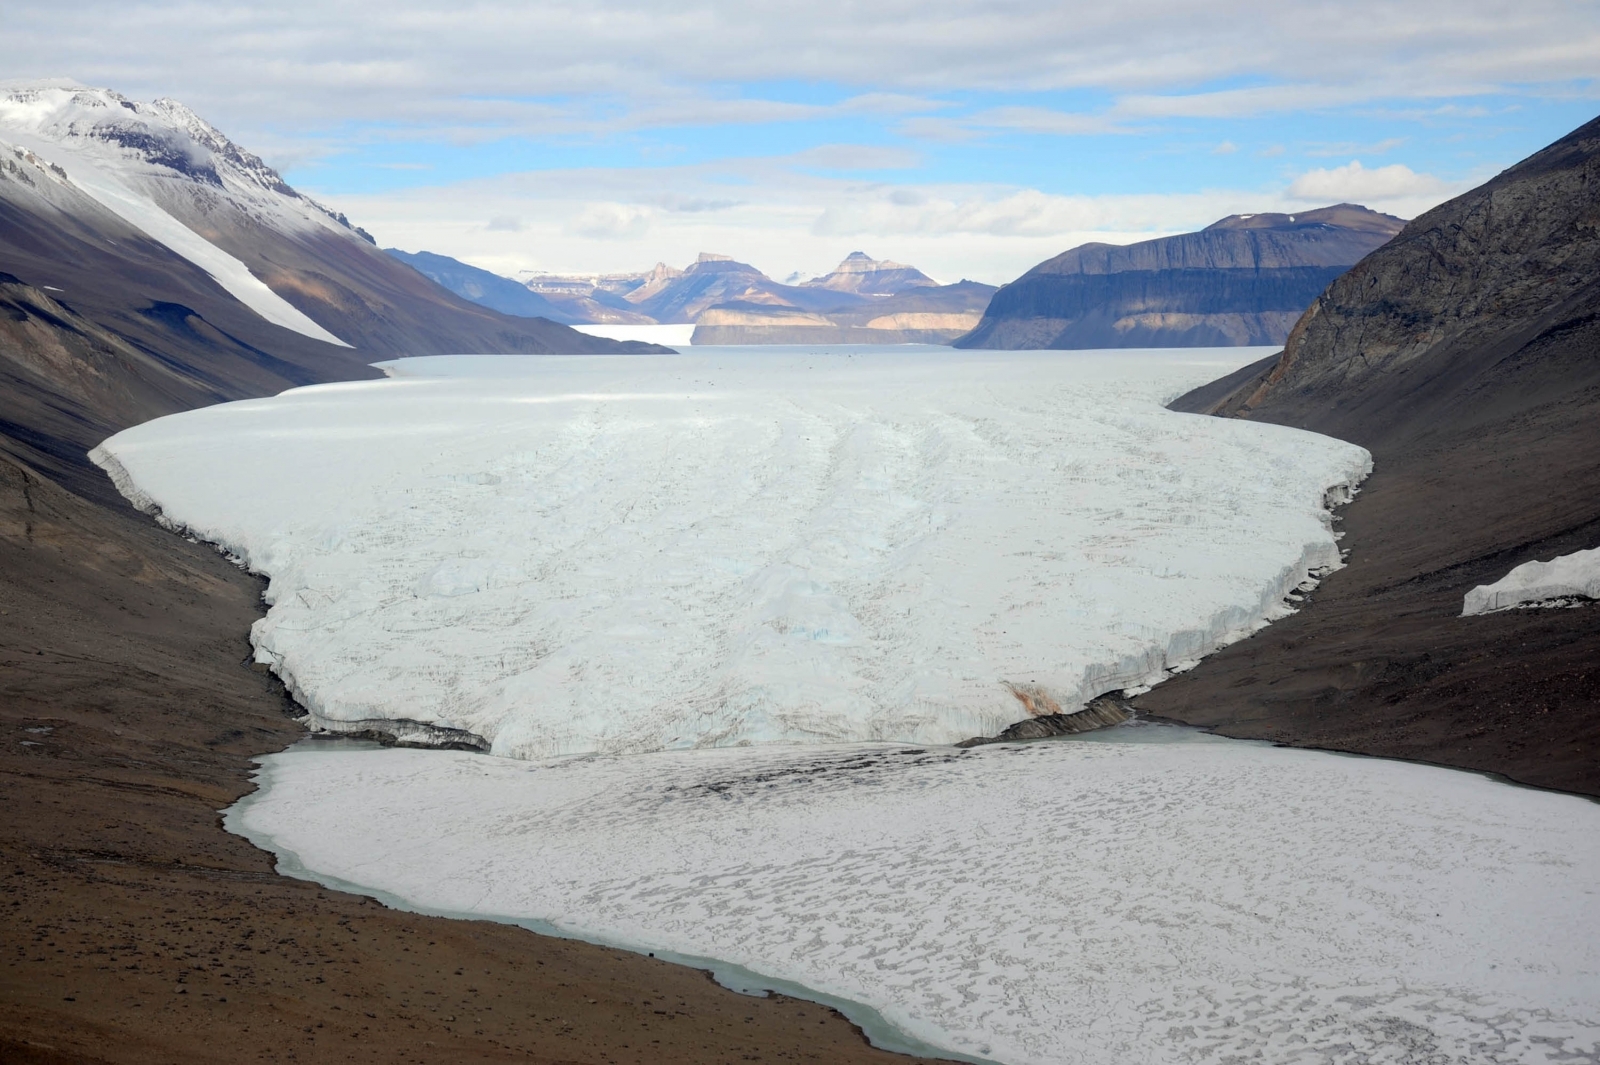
(1465, 355)
(1242, 280)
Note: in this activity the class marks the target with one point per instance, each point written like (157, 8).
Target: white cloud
(786, 219)
(1029, 213)
(855, 157)
(1376, 148)
(1355, 183)
(611, 221)
(552, 64)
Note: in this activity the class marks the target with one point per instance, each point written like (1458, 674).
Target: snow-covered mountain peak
(165, 170)
(164, 139)
(162, 136)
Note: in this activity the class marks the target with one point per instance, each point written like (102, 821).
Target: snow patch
(676, 336)
(233, 275)
(1560, 582)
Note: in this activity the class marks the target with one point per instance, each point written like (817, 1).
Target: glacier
(1070, 901)
(561, 554)
(1562, 581)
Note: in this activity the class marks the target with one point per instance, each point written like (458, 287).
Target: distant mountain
(483, 287)
(710, 280)
(863, 274)
(598, 298)
(1465, 355)
(862, 301)
(1242, 280)
(923, 314)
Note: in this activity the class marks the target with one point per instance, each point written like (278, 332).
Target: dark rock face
(1243, 280)
(1465, 354)
(1101, 712)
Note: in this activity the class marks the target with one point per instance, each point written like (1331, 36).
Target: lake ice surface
(1057, 902)
(569, 554)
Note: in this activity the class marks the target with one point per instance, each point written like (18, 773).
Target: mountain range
(1242, 280)
(862, 301)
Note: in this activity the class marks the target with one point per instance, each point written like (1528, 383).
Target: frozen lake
(570, 554)
(1033, 904)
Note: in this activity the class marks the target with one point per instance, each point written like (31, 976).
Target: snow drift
(1559, 582)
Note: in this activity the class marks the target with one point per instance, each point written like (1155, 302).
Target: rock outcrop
(1244, 280)
(1465, 355)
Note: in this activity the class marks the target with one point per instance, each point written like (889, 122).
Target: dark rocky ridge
(1465, 354)
(1242, 280)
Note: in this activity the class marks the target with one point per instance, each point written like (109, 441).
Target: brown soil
(136, 930)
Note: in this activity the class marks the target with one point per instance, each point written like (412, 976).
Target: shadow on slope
(1465, 355)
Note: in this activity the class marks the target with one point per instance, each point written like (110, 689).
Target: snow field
(1554, 583)
(569, 554)
(1062, 902)
(673, 336)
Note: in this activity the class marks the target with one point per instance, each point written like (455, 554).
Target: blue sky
(972, 139)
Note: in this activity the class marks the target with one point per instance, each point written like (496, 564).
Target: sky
(972, 139)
